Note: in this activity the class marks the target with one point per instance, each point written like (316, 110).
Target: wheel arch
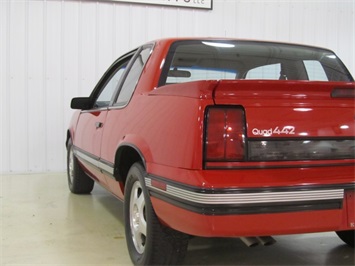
(126, 155)
(68, 137)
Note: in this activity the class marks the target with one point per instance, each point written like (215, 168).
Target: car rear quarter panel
(167, 130)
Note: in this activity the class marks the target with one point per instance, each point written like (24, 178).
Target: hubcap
(138, 221)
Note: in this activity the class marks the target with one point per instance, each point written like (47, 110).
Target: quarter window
(132, 77)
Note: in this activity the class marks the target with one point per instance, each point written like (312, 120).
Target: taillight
(305, 149)
(225, 134)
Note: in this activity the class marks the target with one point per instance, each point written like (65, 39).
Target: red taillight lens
(225, 134)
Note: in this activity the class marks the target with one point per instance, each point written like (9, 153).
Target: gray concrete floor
(42, 223)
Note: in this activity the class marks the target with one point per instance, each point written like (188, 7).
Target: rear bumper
(253, 211)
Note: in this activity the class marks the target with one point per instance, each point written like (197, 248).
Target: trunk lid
(291, 109)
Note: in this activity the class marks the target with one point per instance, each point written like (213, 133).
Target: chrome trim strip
(106, 168)
(247, 198)
(85, 157)
(95, 162)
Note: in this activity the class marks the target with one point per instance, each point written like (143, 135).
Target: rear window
(185, 74)
(214, 60)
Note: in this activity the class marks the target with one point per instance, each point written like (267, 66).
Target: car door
(91, 122)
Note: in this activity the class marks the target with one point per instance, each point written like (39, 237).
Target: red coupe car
(219, 138)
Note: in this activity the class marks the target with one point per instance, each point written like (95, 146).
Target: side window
(132, 77)
(265, 72)
(315, 70)
(105, 96)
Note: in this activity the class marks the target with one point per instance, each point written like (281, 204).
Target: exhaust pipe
(266, 240)
(250, 241)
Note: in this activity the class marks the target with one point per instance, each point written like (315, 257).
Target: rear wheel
(148, 241)
(78, 181)
(347, 236)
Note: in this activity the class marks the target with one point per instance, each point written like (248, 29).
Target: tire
(148, 241)
(347, 236)
(78, 181)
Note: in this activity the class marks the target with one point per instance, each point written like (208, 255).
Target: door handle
(98, 124)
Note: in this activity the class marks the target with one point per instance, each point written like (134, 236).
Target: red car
(219, 138)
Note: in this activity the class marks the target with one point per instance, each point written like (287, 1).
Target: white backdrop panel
(53, 50)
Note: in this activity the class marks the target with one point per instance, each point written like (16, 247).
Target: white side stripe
(94, 162)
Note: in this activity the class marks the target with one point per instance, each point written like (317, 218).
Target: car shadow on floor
(112, 204)
(232, 251)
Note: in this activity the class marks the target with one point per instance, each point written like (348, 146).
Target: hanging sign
(203, 4)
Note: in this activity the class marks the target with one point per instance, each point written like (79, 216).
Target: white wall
(52, 50)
